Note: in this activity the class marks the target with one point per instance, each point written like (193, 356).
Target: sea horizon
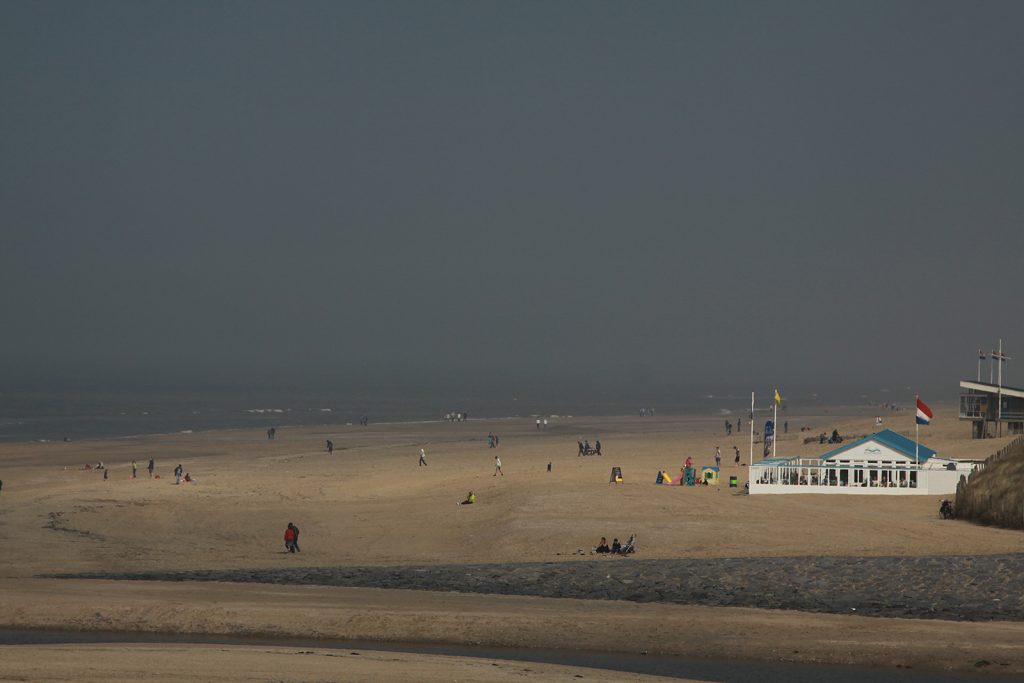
(59, 415)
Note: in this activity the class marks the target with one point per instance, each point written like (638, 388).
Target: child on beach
(497, 467)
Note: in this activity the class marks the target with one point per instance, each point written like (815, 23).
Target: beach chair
(629, 546)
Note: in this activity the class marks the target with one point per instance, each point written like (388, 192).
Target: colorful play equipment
(616, 476)
(663, 478)
(691, 476)
(710, 475)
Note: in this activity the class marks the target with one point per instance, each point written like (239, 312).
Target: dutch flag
(924, 413)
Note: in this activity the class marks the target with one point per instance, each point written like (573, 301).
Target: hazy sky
(528, 196)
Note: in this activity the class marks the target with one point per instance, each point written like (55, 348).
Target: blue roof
(886, 437)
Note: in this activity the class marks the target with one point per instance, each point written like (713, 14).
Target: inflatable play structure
(710, 475)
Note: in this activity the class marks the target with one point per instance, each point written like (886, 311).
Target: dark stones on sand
(981, 588)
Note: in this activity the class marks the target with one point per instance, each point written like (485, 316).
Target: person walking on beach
(718, 457)
(151, 467)
(289, 538)
(737, 455)
(423, 458)
(177, 473)
(785, 427)
(497, 467)
(106, 474)
(545, 423)
(538, 423)
(135, 469)
(330, 447)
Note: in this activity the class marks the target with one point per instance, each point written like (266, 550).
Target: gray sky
(527, 195)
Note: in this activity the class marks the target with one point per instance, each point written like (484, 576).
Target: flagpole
(917, 431)
(751, 429)
(775, 431)
(999, 405)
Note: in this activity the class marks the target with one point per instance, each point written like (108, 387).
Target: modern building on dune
(993, 410)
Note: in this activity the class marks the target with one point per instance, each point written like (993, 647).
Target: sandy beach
(370, 505)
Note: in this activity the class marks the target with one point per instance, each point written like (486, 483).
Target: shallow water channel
(724, 670)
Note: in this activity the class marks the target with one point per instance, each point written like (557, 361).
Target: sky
(633, 198)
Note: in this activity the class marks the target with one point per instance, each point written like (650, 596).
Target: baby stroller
(629, 546)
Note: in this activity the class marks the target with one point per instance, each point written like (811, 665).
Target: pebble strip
(981, 588)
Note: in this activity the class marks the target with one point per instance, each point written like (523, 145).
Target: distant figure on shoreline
(151, 467)
(423, 458)
(497, 467)
(271, 433)
(177, 473)
(135, 469)
(538, 423)
(737, 454)
(291, 536)
(330, 447)
(718, 457)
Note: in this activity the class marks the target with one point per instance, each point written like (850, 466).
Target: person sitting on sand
(470, 499)
(602, 547)
(616, 547)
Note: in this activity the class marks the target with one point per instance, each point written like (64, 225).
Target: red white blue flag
(924, 413)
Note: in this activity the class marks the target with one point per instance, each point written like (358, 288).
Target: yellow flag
(778, 399)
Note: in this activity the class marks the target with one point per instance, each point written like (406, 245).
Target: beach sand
(369, 504)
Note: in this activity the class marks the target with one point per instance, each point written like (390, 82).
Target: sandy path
(510, 621)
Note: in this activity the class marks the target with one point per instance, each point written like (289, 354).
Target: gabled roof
(889, 438)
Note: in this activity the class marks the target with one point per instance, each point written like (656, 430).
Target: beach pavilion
(885, 463)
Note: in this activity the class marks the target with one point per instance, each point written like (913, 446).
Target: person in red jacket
(289, 538)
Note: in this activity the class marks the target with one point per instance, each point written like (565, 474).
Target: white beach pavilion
(885, 463)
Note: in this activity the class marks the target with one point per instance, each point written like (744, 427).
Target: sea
(87, 414)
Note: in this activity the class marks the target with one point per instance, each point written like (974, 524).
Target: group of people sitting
(616, 548)
(586, 449)
(835, 438)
